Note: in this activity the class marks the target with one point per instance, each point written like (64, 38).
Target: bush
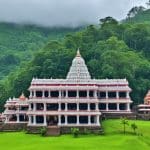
(75, 132)
(43, 131)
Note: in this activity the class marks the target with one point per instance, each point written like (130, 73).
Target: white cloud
(63, 12)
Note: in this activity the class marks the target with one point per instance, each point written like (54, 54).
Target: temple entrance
(52, 120)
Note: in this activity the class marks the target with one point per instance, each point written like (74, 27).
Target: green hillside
(19, 42)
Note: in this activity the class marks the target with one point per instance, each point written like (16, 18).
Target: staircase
(53, 131)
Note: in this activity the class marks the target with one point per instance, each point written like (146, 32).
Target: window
(122, 94)
(72, 93)
(72, 119)
(54, 94)
(83, 119)
(102, 106)
(83, 106)
(82, 93)
(112, 94)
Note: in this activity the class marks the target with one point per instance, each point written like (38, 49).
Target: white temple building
(75, 101)
(144, 109)
(16, 110)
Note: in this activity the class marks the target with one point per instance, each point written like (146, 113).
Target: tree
(134, 127)
(124, 122)
(136, 35)
(135, 10)
(108, 21)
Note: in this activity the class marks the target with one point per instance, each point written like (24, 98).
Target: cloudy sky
(63, 12)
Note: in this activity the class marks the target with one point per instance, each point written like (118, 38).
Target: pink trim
(80, 85)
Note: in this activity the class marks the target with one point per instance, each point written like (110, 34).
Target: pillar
(77, 106)
(34, 106)
(7, 119)
(44, 106)
(88, 94)
(95, 94)
(43, 94)
(17, 118)
(30, 107)
(59, 93)
(29, 120)
(128, 95)
(106, 94)
(45, 122)
(107, 107)
(49, 94)
(128, 106)
(77, 94)
(66, 120)
(66, 93)
(117, 95)
(89, 120)
(78, 120)
(97, 119)
(88, 106)
(66, 107)
(118, 109)
(34, 119)
(97, 106)
(59, 106)
(59, 119)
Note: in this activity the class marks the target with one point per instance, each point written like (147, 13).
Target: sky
(64, 12)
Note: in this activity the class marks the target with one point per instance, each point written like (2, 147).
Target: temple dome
(78, 70)
(22, 97)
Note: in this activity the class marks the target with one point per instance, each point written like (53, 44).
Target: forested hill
(111, 50)
(19, 42)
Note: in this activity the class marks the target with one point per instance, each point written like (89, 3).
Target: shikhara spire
(78, 70)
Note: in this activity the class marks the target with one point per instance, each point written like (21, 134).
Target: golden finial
(78, 53)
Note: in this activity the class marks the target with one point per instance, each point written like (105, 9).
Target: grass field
(113, 139)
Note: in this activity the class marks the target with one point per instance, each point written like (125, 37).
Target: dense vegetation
(19, 42)
(111, 50)
(141, 17)
(113, 139)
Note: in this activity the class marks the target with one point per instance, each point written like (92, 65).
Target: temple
(16, 110)
(144, 109)
(77, 101)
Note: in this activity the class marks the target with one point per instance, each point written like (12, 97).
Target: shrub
(134, 127)
(43, 131)
(75, 132)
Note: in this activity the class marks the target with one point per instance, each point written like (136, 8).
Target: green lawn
(112, 140)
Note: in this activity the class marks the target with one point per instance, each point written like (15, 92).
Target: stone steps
(53, 131)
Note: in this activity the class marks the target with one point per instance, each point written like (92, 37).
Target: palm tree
(134, 127)
(124, 121)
